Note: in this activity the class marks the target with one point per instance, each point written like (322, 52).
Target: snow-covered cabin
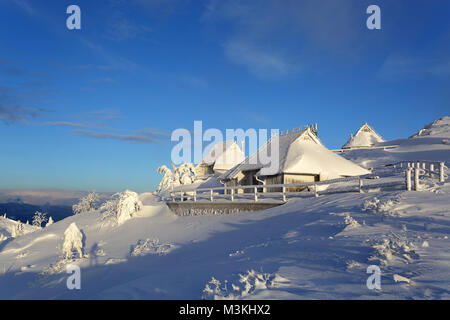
(222, 157)
(365, 137)
(302, 158)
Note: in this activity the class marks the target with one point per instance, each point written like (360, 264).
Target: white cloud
(26, 7)
(404, 65)
(259, 61)
(141, 139)
(279, 38)
(66, 124)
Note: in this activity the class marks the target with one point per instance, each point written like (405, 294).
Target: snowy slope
(7, 227)
(305, 249)
(433, 144)
(313, 248)
(438, 128)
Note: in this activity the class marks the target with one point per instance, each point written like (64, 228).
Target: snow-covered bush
(121, 207)
(39, 218)
(249, 284)
(394, 248)
(151, 246)
(350, 222)
(86, 204)
(376, 205)
(73, 241)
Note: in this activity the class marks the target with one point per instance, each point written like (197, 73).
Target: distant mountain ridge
(23, 211)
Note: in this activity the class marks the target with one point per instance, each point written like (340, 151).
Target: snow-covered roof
(364, 137)
(300, 152)
(224, 156)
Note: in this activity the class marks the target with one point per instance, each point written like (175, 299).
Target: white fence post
(408, 179)
(441, 172)
(195, 195)
(256, 194)
(232, 194)
(212, 195)
(283, 190)
(360, 185)
(432, 167)
(181, 196)
(424, 165)
(416, 179)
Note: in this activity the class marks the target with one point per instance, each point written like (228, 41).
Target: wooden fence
(416, 168)
(256, 193)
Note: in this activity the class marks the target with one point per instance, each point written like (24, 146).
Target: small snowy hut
(302, 158)
(222, 157)
(365, 137)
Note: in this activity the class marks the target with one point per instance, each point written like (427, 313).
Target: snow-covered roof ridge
(438, 128)
(366, 136)
(224, 155)
(299, 152)
(252, 162)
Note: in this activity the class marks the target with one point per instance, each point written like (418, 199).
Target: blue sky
(93, 109)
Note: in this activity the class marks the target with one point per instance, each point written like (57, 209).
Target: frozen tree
(86, 204)
(50, 222)
(122, 206)
(18, 230)
(167, 179)
(187, 173)
(176, 176)
(184, 174)
(73, 241)
(39, 218)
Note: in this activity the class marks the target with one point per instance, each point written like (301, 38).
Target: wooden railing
(416, 168)
(363, 148)
(255, 193)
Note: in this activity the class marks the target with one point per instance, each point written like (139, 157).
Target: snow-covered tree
(86, 204)
(167, 179)
(50, 222)
(18, 230)
(176, 176)
(39, 218)
(187, 173)
(122, 206)
(184, 174)
(73, 241)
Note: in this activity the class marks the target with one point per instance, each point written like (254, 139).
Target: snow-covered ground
(309, 248)
(431, 143)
